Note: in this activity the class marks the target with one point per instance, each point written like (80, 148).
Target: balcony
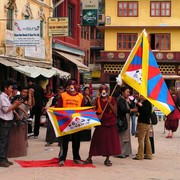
(97, 43)
(121, 56)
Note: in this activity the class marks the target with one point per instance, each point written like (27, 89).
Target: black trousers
(5, 127)
(36, 111)
(76, 139)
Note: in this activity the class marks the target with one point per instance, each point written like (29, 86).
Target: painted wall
(35, 7)
(143, 15)
(62, 11)
(131, 24)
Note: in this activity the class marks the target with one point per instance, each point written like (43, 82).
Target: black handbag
(122, 124)
(153, 118)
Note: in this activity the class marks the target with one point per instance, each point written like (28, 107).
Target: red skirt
(171, 124)
(105, 141)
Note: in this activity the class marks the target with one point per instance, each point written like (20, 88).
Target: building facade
(25, 47)
(71, 51)
(125, 20)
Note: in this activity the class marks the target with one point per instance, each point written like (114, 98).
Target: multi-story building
(70, 52)
(17, 59)
(97, 45)
(125, 20)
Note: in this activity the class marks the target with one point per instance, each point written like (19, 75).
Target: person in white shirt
(6, 120)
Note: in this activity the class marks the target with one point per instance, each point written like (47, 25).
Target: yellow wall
(143, 19)
(143, 15)
(35, 6)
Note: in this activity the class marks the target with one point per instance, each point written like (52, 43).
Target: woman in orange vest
(105, 140)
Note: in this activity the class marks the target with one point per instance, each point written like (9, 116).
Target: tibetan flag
(141, 72)
(70, 120)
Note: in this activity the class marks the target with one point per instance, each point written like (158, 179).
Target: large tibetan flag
(70, 120)
(141, 72)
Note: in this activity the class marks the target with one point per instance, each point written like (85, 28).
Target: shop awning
(61, 74)
(74, 59)
(7, 63)
(33, 71)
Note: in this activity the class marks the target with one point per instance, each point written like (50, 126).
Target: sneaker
(77, 161)
(61, 163)
(30, 135)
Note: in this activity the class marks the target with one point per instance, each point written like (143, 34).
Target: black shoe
(135, 158)
(148, 158)
(4, 164)
(9, 162)
(48, 144)
(122, 156)
(61, 163)
(77, 161)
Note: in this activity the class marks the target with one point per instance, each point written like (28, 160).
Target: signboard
(9, 38)
(58, 26)
(26, 32)
(90, 12)
(37, 52)
(9, 42)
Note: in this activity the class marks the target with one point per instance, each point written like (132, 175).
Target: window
(92, 32)
(99, 34)
(160, 41)
(41, 28)
(161, 9)
(126, 41)
(128, 9)
(71, 20)
(9, 23)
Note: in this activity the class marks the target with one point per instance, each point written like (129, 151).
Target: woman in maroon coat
(105, 140)
(172, 121)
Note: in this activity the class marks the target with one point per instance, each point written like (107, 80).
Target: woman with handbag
(123, 113)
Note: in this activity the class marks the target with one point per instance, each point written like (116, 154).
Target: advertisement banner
(26, 32)
(37, 52)
(58, 26)
(90, 12)
(90, 17)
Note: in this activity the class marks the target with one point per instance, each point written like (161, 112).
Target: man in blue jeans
(6, 120)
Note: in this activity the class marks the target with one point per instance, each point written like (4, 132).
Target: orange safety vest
(71, 101)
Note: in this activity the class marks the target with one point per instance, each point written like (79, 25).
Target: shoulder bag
(122, 124)
(153, 118)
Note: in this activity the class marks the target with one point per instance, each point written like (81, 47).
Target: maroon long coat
(105, 140)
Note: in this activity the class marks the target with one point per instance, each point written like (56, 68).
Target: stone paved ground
(164, 166)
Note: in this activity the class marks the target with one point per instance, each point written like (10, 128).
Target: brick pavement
(164, 166)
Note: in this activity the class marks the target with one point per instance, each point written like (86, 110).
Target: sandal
(107, 163)
(88, 161)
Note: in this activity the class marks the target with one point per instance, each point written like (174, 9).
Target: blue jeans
(133, 124)
(4, 136)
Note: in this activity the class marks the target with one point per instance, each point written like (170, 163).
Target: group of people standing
(106, 140)
(13, 109)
